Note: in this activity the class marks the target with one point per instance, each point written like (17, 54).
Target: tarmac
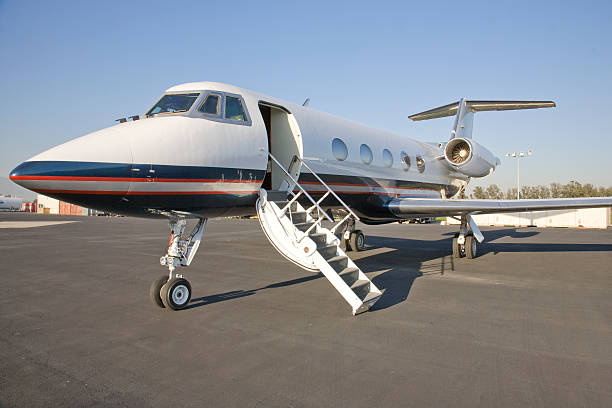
(526, 324)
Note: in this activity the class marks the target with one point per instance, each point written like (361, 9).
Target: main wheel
(154, 292)
(456, 248)
(175, 294)
(470, 247)
(345, 245)
(357, 241)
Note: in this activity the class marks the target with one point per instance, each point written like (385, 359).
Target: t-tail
(461, 153)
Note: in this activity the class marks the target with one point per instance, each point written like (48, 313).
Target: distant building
(580, 218)
(48, 205)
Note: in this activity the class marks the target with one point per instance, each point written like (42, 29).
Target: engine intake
(468, 157)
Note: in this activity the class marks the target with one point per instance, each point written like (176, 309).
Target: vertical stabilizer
(464, 121)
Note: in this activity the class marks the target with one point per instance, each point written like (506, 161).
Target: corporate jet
(207, 150)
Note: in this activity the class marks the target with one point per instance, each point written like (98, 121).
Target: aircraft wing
(431, 207)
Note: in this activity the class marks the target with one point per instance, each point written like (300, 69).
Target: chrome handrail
(312, 200)
(346, 207)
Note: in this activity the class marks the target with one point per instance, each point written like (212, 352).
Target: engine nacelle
(468, 157)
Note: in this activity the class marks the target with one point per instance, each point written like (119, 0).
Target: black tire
(155, 290)
(357, 241)
(345, 244)
(470, 247)
(176, 293)
(456, 249)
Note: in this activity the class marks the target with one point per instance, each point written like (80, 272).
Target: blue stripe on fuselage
(125, 170)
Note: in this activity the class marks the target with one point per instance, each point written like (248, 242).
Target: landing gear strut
(352, 239)
(173, 291)
(464, 242)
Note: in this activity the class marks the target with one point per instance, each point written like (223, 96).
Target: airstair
(298, 234)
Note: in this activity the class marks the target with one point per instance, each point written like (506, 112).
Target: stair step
(320, 238)
(328, 251)
(303, 226)
(368, 302)
(361, 288)
(298, 217)
(282, 203)
(349, 275)
(276, 195)
(338, 263)
(371, 296)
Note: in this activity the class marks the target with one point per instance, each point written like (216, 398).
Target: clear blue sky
(68, 68)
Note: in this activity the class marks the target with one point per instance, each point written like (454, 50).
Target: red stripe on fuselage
(112, 192)
(130, 179)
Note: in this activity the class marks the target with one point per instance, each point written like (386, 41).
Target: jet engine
(468, 157)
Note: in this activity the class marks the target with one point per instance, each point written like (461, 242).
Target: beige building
(583, 218)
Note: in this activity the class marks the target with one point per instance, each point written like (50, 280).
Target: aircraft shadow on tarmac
(235, 294)
(413, 258)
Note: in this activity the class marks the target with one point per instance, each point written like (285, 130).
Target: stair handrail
(346, 207)
(312, 200)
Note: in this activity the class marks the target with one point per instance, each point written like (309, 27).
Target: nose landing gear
(173, 291)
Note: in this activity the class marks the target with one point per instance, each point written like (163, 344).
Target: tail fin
(464, 111)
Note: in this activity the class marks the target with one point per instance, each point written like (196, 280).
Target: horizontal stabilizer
(480, 106)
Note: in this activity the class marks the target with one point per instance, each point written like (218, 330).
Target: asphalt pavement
(527, 323)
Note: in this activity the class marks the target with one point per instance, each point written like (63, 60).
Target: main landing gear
(173, 291)
(464, 242)
(352, 239)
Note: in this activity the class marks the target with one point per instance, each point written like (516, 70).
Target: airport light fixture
(518, 156)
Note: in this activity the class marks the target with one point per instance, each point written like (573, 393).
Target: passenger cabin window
(339, 149)
(406, 159)
(420, 164)
(174, 103)
(387, 157)
(366, 154)
(210, 105)
(234, 109)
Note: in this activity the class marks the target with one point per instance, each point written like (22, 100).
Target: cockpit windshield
(174, 103)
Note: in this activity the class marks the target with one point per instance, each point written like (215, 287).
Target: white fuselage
(210, 166)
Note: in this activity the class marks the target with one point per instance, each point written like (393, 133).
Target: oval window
(339, 149)
(405, 160)
(387, 158)
(366, 154)
(420, 164)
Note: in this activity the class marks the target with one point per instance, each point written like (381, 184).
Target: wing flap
(410, 207)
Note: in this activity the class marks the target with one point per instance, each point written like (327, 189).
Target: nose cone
(79, 165)
(20, 173)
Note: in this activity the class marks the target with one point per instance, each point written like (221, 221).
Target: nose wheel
(176, 293)
(155, 292)
(173, 294)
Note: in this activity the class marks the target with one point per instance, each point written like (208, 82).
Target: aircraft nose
(18, 173)
(99, 161)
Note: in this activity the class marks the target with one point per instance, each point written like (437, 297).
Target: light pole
(518, 169)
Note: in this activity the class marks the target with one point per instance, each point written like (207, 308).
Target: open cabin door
(284, 142)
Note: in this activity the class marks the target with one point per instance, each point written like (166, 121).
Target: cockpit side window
(210, 105)
(234, 109)
(174, 103)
